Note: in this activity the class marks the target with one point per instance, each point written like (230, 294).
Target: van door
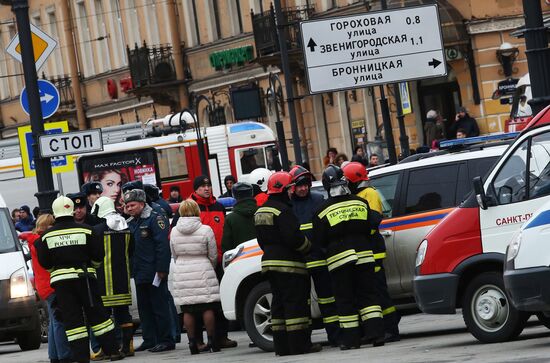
(428, 195)
(387, 186)
(518, 188)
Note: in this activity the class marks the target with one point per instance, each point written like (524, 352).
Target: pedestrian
(36, 212)
(284, 266)
(114, 273)
(213, 215)
(59, 349)
(341, 226)
(196, 286)
(430, 126)
(93, 190)
(151, 264)
(71, 252)
(373, 160)
(26, 220)
(359, 155)
(330, 157)
(81, 215)
(153, 196)
(175, 194)
(358, 179)
(228, 181)
(524, 109)
(460, 134)
(239, 224)
(258, 178)
(304, 204)
(15, 216)
(340, 159)
(464, 121)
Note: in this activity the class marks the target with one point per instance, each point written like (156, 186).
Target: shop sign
(231, 57)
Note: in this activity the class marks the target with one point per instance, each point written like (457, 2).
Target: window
(509, 184)
(4, 83)
(132, 24)
(151, 23)
(7, 239)
(539, 166)
(432, 188)
(251, 159)
(481, 167)
(101, 46)
(116, 33)
(172, 163)
(84, 40)
(55, 61)
(386, 186)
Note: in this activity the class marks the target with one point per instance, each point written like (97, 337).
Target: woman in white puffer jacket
(195, 286)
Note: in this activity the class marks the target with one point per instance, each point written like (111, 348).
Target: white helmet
(260, 176)
(62, 207)
(103, 206)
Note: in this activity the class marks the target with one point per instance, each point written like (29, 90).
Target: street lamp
(506, 55)
(200, 142)
(276, 90)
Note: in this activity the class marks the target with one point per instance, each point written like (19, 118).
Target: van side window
(386, 186)
(432, 188)
(172, 163)
(539, 166)
(509, 184)
(251, 159)
(7, 240)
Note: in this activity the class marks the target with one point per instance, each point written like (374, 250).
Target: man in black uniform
(71, 252)
(81, 214)
(93, 191)
(305, 203)
(283, 262)
(339, 227)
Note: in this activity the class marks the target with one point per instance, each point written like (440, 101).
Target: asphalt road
(425, 338)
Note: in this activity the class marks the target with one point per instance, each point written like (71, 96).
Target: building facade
(127, 61)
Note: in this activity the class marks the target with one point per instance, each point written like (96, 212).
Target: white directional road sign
(42, 44)
(69, 143)
(373, 48)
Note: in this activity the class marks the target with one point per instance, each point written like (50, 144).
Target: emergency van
(417, 193)
(527, 268)
(19, 304)
(235, 149)
(459, 264)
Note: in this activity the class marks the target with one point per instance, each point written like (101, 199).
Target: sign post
(373, 48)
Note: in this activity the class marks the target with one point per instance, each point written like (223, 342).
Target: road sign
(405, 96)
(49, 98)
(60, 164)
(42, 45)
(373, 48)
(70, 143)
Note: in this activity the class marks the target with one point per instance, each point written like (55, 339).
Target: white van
(527, 267)
(19, 304)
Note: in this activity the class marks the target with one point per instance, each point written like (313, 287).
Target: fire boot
(127, 339)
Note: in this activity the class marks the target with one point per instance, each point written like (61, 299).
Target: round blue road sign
(49, 98)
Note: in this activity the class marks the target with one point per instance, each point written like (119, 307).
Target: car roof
(493, 151)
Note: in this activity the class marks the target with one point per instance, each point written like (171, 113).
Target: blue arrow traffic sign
(49, 98)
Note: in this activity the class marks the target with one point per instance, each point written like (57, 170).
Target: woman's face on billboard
(111, 183)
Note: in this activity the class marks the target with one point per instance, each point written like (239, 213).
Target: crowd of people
(86, 251)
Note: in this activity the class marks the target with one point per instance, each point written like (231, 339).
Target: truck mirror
(505, 195)
(480, 192)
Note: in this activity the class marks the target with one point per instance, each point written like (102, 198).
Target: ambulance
(527, 268)
(19, 304)
(459, 264)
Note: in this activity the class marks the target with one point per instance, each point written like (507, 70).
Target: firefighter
(153, 196)
(357, 176)
(304, 204)
(258, 178)
(284, 265)
(114, 274)
(71, 252)
(93, 190)
(339, 227)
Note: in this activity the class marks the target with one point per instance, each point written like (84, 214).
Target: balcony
(264, 26)
(153, 73)
(63, 85)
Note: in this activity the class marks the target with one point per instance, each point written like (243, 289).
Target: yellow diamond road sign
(42, 44)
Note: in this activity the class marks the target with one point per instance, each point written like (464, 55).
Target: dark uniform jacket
(304, 209)
(114, 275)
(341, 226)
(279, 236)
(152, 247)
(67, 249)
(239, 224)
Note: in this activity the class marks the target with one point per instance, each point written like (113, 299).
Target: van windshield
(7, 237)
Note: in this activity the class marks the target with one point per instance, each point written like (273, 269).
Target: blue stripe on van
(245, 126)
(540, 220)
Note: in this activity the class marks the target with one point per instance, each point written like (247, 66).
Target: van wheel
(30, 340)
(257, 316)
(544, 319)
(487, 311)
(44, 324)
